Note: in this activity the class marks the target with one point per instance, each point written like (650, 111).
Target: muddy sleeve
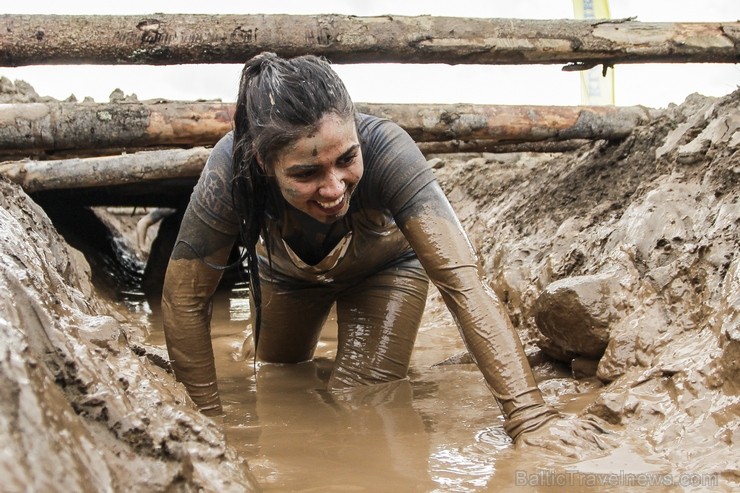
(205, 240)
(406, 186)
(212, 199)
(429, 223)
(395, 169)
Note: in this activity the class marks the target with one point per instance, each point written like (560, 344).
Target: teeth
(333, 203)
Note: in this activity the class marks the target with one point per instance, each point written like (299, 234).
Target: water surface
(438, 431)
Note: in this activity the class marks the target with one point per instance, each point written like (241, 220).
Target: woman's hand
(570, 436)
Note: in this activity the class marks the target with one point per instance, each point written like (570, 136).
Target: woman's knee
(290, 327)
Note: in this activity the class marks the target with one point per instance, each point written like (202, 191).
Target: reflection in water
(239, 304)
(453, 469)
(309, 438)
(439, 431)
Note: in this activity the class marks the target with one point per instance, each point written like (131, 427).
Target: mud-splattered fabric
(398, 214)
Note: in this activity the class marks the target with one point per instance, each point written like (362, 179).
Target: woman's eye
(347, 160)
(303, 175)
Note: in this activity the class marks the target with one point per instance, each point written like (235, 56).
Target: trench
(661, 209)
(440, 430)
(646, 228)
(84, 409)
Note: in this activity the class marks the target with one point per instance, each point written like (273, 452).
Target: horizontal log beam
(458, 146)
(109, 171)
(510, 123)
(140, 168)
(161, 39)
(81, 126)
(60, 126)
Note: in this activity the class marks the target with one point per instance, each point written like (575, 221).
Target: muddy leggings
(378, 319)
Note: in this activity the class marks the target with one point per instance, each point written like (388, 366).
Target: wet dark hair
(280, 101)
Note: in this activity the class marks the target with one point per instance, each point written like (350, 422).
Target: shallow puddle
(439, 431)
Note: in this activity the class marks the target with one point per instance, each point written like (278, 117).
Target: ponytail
(279, 101)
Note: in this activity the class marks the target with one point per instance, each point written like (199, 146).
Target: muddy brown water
(438, 431)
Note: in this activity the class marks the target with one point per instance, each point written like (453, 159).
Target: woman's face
(319, 172)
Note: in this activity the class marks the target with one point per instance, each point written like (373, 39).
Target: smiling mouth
(332, 204)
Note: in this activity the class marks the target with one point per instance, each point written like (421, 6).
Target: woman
(332, 207)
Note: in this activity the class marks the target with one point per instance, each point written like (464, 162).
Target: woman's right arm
(186, 307)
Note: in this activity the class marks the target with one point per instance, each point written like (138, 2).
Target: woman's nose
(333, 185)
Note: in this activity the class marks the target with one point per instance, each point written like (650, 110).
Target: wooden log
(510, 123)
(157, 166)
(455, 146)
(60, 126)
(108, 171)
(160, 39)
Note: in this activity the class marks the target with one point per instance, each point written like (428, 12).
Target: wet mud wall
(82, 406)
(621, 260)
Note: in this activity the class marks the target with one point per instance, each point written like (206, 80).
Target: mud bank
(622, 260)
(619, 260)
(81, 405)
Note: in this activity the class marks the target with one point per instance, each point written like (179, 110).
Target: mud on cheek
(290, 193)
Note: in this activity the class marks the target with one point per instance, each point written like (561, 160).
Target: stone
(576, 314)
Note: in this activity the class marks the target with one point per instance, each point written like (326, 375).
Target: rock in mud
(576, 315)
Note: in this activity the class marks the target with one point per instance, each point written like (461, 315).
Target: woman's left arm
(406, 185)
(436, 235)
(433, 230)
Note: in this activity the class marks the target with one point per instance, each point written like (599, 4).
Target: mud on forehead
(330, 126)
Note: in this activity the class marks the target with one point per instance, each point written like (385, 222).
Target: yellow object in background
(596, 88)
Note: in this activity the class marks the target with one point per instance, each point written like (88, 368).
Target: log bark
(161, 39)
(454, 146)
(63, 126)
(60, 126)
(109, 171)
